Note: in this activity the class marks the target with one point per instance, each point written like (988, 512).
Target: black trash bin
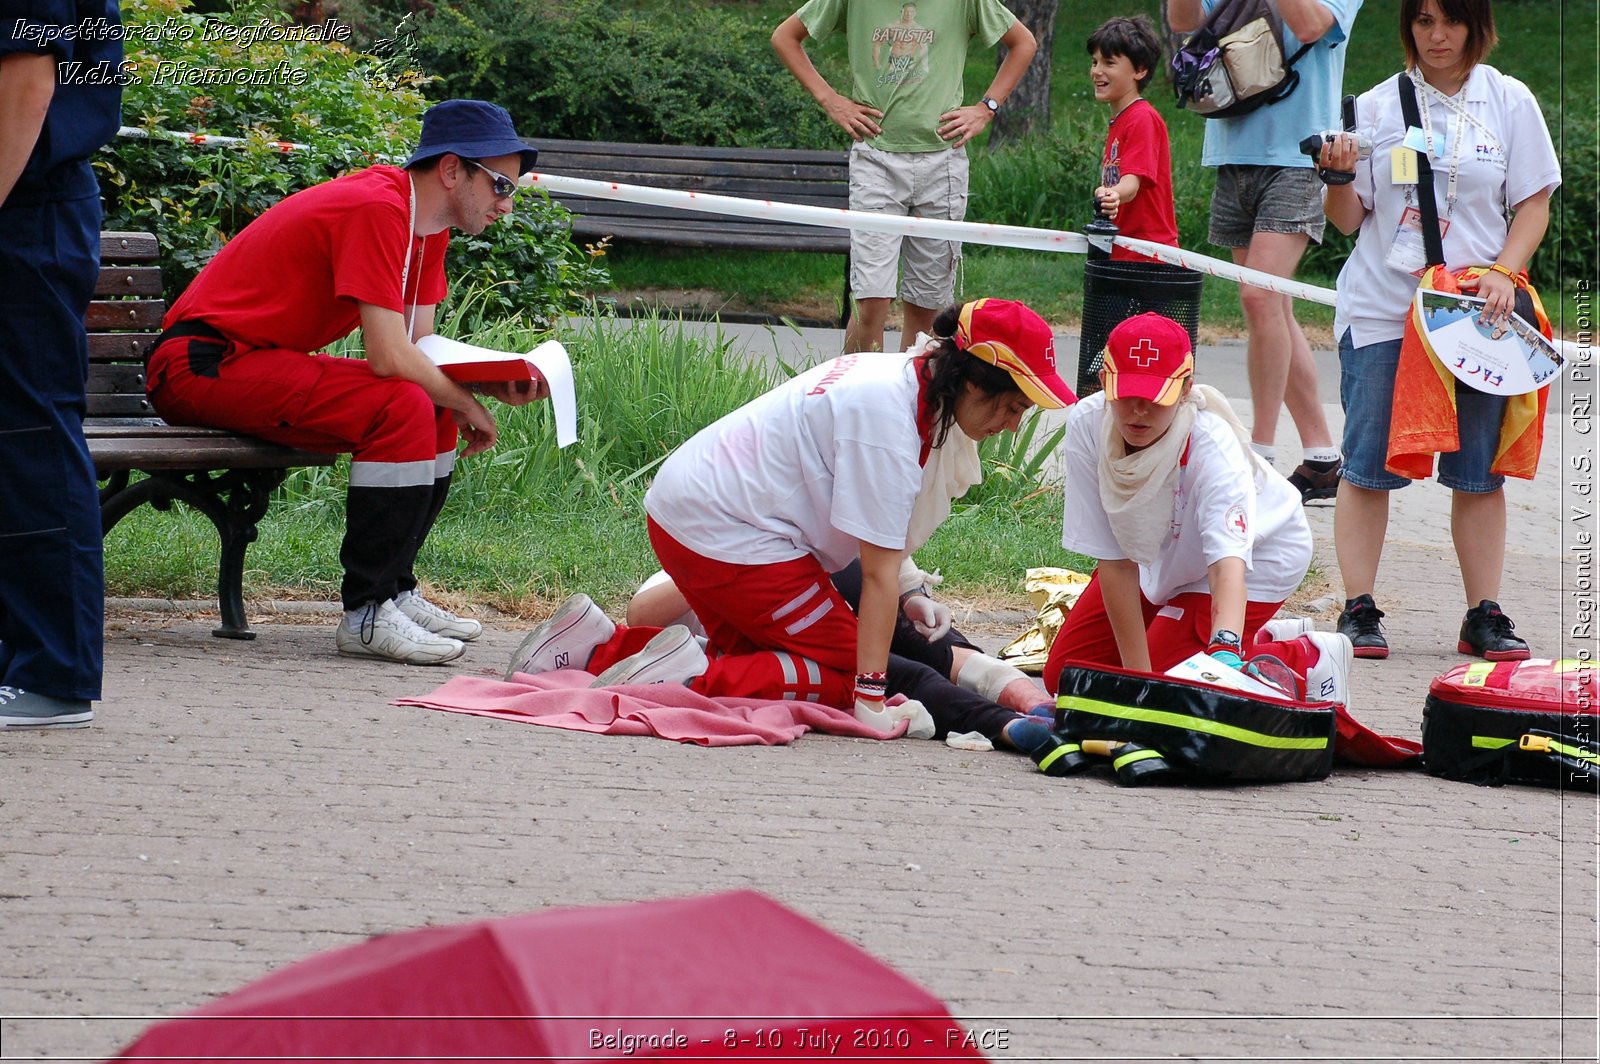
(1115, 290)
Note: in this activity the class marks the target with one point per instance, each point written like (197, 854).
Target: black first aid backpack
(1234, 63)
(1201, 731)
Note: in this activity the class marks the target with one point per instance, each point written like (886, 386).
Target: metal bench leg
(235, 500)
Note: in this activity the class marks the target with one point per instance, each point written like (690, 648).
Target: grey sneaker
(565, 641)
(436, 619)
(671, 657)
(382, 631)
(29, 709)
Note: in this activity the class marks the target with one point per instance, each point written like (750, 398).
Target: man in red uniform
(365, 250)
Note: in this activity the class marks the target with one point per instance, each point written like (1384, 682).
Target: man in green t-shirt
(905, 114)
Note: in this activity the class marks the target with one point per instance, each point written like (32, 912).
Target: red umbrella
(718, 976)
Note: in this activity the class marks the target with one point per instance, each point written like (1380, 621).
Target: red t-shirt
(292, 278)
(1137, 144)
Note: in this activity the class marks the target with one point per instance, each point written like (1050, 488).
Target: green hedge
(352, 109)
(587, 70)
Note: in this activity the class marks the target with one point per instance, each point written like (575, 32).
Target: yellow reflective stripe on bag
(1189, 723)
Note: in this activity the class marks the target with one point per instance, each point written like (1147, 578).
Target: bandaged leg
(995, 680)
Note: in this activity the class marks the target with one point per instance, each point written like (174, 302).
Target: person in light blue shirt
(1266, 208)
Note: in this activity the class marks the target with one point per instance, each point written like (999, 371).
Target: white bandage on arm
(912, 578)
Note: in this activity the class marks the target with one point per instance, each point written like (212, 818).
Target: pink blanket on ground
(564, 699)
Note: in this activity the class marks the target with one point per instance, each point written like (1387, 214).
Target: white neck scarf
(1139, 489)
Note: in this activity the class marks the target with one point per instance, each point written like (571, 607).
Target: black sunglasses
(503, 185)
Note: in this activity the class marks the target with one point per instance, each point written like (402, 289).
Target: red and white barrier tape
(207, 140)
(1012, 236)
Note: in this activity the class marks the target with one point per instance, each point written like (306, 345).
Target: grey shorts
(917, 184)
(1265, 199)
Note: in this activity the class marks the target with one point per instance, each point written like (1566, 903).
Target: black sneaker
(1486, 633)
(1316, 481)
(1362, 623)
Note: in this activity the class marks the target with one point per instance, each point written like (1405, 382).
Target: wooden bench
(227, 477)
(817, 178)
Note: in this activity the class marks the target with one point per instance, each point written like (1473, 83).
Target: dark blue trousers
(52, 583)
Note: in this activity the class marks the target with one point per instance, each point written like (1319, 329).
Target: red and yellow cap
(1148, 357)
(1010, 335)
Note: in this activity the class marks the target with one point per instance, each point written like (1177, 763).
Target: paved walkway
(238, 806)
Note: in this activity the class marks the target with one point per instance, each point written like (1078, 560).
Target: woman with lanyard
(1199, 541)
(1486, 139)
(752, 513)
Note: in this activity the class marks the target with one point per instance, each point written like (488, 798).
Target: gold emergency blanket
(1053, 592)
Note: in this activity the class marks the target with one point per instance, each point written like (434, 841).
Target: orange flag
(1423, 423)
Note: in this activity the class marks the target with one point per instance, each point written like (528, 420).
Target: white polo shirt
(1226, 506)
(812, 467)
(1502, 162)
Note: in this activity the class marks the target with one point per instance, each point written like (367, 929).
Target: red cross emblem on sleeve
(1235, 520)
(1145, 354)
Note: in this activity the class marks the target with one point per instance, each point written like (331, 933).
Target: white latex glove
(873, 715)
(931, 619)
(909, 709)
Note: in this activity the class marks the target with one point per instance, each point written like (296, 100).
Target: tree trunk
(1028, 107)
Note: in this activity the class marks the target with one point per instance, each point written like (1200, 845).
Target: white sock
(353, 618)
(986, 676)
(1322, 454)
(1265, 450)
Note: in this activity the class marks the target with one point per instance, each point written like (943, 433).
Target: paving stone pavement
(240, 805)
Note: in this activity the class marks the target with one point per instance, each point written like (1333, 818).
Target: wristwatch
(991, 103)
(1222, 639)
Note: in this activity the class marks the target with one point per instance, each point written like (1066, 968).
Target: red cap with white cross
(1147, 357)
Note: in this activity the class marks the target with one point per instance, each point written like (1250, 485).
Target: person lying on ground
(930, 662)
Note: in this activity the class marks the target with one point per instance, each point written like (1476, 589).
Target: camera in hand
(1312, 146)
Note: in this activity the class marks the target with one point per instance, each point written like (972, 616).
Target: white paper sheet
(549, 358)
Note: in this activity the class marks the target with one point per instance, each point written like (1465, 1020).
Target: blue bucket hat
(472, 129)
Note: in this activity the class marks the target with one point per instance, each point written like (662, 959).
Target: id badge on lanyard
(1408, 253)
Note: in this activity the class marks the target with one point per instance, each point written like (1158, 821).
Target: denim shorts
(1366, 390)
(1265, 199)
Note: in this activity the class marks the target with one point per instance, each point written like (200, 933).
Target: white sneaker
(436, 619)
(565, 641)
(671, 657)
(1329, 679)
(1283, 629)
(380, 630)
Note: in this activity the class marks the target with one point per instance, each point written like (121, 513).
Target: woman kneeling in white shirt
(1199, 542)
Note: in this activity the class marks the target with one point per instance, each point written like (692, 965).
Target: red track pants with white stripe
(1178, 630)
(775, 631)
(402, 447)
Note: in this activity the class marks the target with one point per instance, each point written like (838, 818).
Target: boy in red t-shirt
(1136, 168)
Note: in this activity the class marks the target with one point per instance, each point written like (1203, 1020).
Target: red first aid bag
(1531, 721)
